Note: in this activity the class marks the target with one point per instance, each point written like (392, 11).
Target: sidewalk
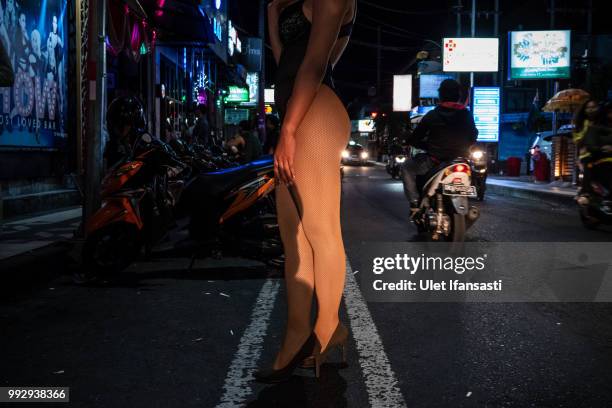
(522, 187)
(20, 236)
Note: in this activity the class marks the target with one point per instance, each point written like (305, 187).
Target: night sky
(404, 34)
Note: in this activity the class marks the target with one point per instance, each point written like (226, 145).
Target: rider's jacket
(446, 132)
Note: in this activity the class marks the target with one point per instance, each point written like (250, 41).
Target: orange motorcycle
(138, 198)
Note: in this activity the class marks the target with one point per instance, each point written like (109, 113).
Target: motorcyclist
(444, 133)
(125, 120)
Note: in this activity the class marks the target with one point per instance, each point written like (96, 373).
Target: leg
(321, 137)
(409, 181)
(299, 276)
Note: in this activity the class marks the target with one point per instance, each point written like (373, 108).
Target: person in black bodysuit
(307, 38)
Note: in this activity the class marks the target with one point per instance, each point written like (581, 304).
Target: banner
(33, 110)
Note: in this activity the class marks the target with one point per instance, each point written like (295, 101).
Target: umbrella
(568, 100)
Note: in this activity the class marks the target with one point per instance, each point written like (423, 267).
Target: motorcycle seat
(221, 181)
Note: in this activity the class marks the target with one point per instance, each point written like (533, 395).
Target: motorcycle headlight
(345, 154)
(400, 159)
(477, 154)
(364, 155)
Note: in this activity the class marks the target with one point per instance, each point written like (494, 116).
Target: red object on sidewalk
(513, 167)
(541, 171)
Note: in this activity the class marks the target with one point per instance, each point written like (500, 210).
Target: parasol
(568, 100)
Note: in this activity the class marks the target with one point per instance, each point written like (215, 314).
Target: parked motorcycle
(478, 161)
(235, 208)
(138, 198)
(445, 213)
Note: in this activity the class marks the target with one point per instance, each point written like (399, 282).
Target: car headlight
(364, 155)
(345, 154)
(477, 154)
(400, 159)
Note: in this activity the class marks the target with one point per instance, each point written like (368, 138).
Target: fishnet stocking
(311, 234)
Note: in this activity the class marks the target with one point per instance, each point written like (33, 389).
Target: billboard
(402, 93)
(486, 113)
(34, 109)
(471, 55)
(539, 54)
(366, 125)
(237, 94)
(429, 84)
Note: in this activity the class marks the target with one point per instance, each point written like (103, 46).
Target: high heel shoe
(338, 340)
(271, 375)
(309, 362)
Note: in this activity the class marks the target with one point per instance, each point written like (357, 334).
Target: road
(163, 336)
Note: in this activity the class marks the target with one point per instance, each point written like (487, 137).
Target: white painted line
(237, 387)
(380, 380)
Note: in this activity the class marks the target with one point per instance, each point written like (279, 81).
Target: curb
(531, 194)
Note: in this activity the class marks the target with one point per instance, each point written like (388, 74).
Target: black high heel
(338, 339)
(271, 376)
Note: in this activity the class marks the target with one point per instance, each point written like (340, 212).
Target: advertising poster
(33, 110)
(471, 54)
(429, 84)
(539, 54)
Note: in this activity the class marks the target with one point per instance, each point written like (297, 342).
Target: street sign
(486, 113)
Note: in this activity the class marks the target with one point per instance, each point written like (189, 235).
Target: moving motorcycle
(394, 166)
(138, 198)
(444, 211)
(478, 161)
(596, 206)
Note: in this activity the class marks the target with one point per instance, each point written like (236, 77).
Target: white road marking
(380, 380)
(237, 387)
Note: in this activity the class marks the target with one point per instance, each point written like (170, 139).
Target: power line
(382, 47)
(396, 28)
(410, 13)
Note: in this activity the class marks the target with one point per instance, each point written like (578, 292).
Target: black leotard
(294, 30)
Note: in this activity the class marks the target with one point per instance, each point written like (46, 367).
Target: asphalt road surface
(163, 336)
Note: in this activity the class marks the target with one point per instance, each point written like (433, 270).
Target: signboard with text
(34, 109)
(486, 110)
(471, 55)
(539, 54)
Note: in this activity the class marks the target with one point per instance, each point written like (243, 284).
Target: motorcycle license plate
(459, 190)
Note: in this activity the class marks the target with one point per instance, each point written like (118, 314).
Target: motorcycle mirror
(146, 138)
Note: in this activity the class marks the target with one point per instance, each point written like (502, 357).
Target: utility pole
(459, 8)
(589, 71)
(496, 75)
(378, 60)
(93, 173)
(473, 35)
(262, 75)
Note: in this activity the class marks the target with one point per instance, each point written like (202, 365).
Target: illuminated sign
(486, 113)
(269, 95)
(539, 54)
(237, 94)
(366, 125)
(34, 111)
(232, 37)
(252, 81)
(218, 4)
(471, 55)
(429, 84)
(402, 93)
(218, 28)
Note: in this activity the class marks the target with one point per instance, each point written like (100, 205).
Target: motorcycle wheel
(110, 250)
(587, 219)
(458, 228)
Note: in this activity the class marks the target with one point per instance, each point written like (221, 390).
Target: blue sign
(33, 112)
(430, 83)
(486, 113)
